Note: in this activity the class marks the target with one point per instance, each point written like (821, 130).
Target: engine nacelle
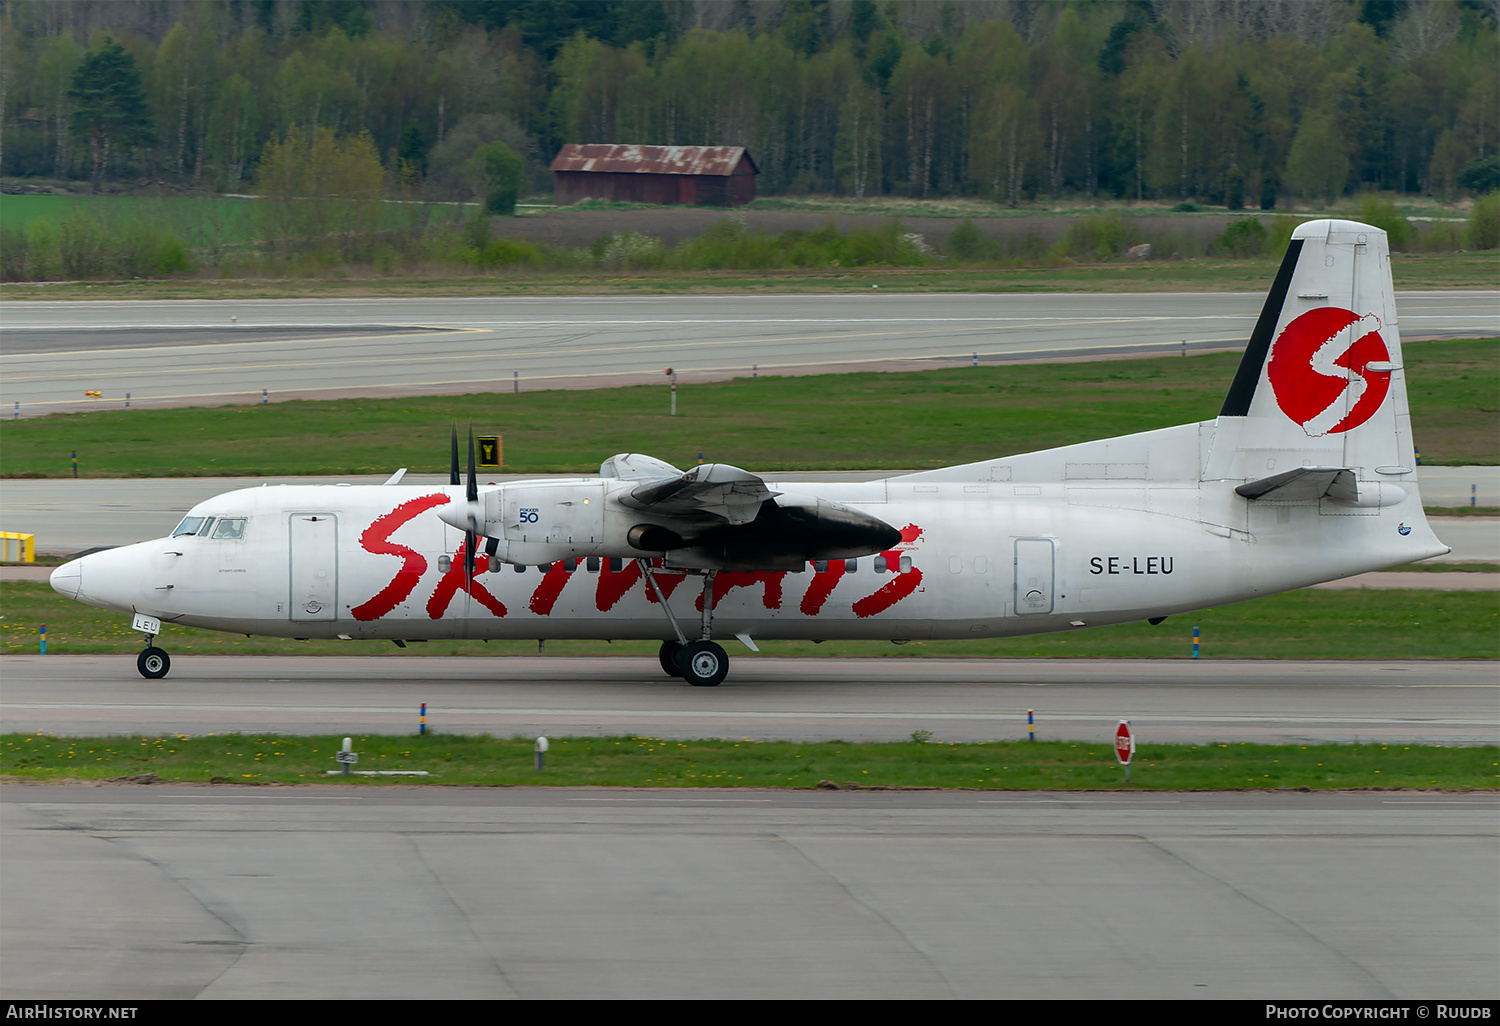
(539, 522)
(536, 522)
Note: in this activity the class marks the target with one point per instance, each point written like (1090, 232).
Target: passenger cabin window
(230, 529)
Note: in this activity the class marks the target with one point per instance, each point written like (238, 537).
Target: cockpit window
(189, 525)
(232, 529)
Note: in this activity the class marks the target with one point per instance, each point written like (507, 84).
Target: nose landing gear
(153, 662)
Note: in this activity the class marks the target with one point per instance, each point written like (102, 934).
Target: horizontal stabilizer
(1302, 483)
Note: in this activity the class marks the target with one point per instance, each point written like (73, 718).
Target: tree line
(1241, 103)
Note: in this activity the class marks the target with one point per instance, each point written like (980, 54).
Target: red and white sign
(1319, 370)
(1124, 743)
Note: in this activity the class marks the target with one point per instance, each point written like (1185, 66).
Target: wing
(632, 466)
(713, 489)
(718, 516)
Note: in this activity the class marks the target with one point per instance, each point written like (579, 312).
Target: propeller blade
(469, 556)
(473, 490)
(453, 477)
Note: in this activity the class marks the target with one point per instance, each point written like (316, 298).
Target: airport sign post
(347, 757)
(490, 457)
(1124, 745)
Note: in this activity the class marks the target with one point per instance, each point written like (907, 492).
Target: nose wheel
(153, 663)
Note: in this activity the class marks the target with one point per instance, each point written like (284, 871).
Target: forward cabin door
(1033, 576)
(314, 566)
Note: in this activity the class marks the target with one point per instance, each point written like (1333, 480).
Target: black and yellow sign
(489, 451)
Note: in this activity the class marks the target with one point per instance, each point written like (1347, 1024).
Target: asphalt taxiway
(389, 893)
(1452, 702)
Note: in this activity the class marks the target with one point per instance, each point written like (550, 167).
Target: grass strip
(1431, 568)
(862, 421)
(656, 762)
(1313, 623)
(1409, 271)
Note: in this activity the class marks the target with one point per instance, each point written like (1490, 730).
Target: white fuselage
(976, 559)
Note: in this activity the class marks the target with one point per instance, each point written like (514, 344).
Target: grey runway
(75, 340)
(378, 894)
(800, 699)
(478, 344)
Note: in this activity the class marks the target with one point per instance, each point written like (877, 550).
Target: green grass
(1307, 624)
(203, 222)
(654, 762)
(907, 420)
(1411, 271)
(1433, 568)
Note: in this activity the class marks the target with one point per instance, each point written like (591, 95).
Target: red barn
(714, 176)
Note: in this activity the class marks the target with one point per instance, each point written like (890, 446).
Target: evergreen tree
(110, 104)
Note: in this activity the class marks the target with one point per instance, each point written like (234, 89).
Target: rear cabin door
(1033, 576)
(314, 566)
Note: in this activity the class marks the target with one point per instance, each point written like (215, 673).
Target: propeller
(471, 492)
(469, 518)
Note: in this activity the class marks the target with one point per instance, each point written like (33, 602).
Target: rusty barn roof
(659, 160)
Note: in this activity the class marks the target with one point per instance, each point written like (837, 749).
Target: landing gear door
(1033, 576)
(314, 566)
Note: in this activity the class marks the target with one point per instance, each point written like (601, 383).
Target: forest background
(1241, 104)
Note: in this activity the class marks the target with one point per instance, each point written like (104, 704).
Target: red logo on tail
(1319, 370)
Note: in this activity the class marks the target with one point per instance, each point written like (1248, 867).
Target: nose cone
(68, 579)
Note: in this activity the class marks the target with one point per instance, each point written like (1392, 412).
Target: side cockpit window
(220, 528)
(230, 528)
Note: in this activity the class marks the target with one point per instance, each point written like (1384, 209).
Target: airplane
(1306, 475)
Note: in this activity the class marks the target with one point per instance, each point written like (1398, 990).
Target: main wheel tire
(703, 664)
(153, 663)
(667, 656)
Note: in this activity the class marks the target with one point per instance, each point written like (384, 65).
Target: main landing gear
(702, 663)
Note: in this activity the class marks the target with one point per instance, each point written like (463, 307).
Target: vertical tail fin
(1321, 382)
